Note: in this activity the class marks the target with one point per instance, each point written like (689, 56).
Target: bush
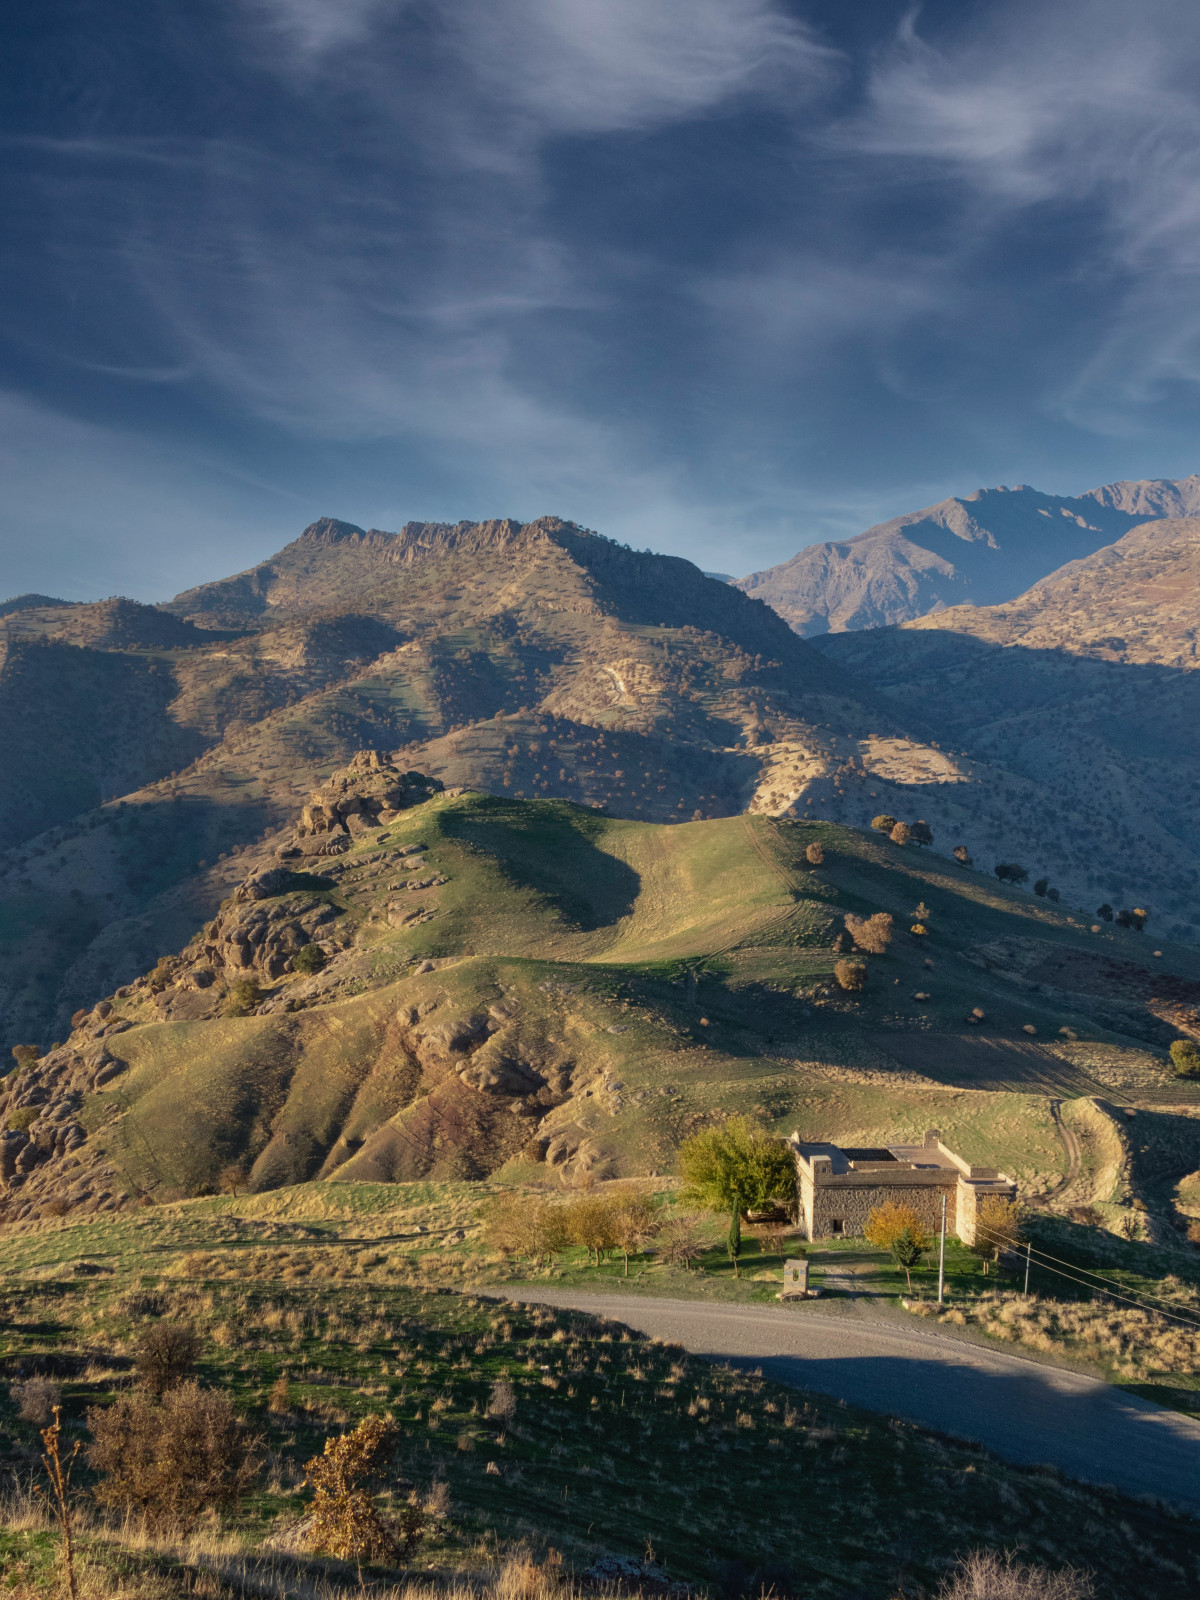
(815, 854)
(679, 1243)
(851, 975)
(872, 934)
(528, 1226)
(920, 832)
(344, 1520)
(591, 1221)
(997, 1226)
(24, 1055)
(23, 1118)
(901, 833)
(1185, 1058)
(1136, 919)
(502, 1401)
(984, 1575)
(1041, 886)
(883, 823)
(963, 856)
(243, 998)
(1105, 912)
(166, 1355)
(35, 1400)
(309, 960)
(172, 1459)
(634, 1223)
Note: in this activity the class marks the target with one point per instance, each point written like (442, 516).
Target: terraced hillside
(461, 985)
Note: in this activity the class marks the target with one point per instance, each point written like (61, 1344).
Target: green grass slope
(535, 988)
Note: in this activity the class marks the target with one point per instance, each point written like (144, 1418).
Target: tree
(1053, 894)
(815, 854)
(883, 823)
(1185, 1058)
(850, 975)
(1011, 872)
(679, 1243)
(634, 1223)
(171, 1459)
(872, 934)
(24, 1055)
(920, 832)
(907, 1251)
(997, 1226)
(736, 1168)
(1105, 912)
(901, 833)
(887, 1222)
(590, 1221)
(1135, 919)
(528, 1226)
(1041, 886)
(963, 856)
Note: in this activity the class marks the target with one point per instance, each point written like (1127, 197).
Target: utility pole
(1028, 1248)
(942, 1255)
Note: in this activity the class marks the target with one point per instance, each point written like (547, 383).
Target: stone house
(839, 1188)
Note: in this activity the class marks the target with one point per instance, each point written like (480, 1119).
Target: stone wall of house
(852, 1202)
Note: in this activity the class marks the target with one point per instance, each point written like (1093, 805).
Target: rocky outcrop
(368, 794)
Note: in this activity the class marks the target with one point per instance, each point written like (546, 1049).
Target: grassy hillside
(532, 987)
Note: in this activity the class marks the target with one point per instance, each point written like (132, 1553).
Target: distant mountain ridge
(981, 549)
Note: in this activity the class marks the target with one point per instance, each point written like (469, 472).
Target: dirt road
(1019, 1409)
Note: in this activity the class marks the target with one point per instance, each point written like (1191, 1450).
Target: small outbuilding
(839, 1188)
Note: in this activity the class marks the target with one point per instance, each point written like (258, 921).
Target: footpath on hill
(1019, 1409)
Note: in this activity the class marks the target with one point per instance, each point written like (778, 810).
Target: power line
(1138, 1305)
(1108, 1285)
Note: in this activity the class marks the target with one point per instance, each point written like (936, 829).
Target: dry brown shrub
(35, 1400)
(167, 1352)
(528, 1226)
(344, 1519)
(987, 1575)
(171, 1459)
(872, 934)
(679, 1242)
(851, 975)
(815, 854)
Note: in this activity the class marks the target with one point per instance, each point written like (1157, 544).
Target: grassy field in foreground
(362, 1300)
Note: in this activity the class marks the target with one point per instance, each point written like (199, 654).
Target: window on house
(836, 1225)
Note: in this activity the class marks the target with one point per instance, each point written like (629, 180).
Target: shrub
(309, 960)
(1053, 894)
(171, 1459)
(502, 1401)
(843, 943)
(1185, 1058)
(166, 1355)
(1193, 1232)
(997, 1226)
(1105, 912)
(985, 1575)
(162, 975)
(963, 856)
(24, 1054)
(1041, 886)
(528, 1226)
(920, 832)
(1136, 919)
(344, 1520)
(679, 1243)
(907, 1249)
(23, 1118)
(883, 823)
(1010, 872)
(851, 975)
(872, 934)
(35, 1400)
(815, 854)
(901, 833)
(243, 998)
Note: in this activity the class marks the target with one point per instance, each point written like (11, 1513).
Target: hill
(145, 744)
(982, 549)
(503, 986)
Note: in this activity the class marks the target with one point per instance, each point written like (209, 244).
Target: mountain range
(982, 549)
(151, 747)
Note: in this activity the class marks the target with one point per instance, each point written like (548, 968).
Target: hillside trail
(1022, 1410)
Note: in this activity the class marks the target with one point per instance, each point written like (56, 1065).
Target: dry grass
(1132, 1343)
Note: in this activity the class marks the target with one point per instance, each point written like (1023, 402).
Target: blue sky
(717, 277)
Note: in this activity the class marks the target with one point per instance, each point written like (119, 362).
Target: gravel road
(1019, 1409)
